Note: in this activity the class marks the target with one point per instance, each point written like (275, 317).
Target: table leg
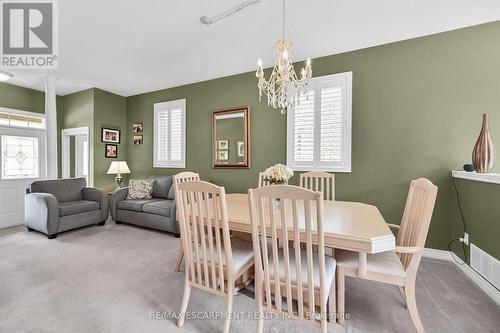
(362, 265)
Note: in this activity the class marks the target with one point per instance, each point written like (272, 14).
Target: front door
(22, 161)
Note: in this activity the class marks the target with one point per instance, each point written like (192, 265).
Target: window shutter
(319, 126)
(169, 134)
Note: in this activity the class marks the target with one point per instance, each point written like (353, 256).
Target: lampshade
(118, 167)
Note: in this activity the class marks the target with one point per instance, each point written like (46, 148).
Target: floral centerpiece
(278, 174)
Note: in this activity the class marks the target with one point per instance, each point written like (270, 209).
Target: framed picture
(111, 151)
(110, 135)
(223, 155)
(137, 127)
(223, 144)
(241, 149)
(137, 140)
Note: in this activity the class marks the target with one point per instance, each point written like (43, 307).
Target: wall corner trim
(472, 274)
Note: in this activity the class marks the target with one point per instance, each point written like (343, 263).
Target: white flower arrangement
(278, 174)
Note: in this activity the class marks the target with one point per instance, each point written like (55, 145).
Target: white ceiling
(130, 47)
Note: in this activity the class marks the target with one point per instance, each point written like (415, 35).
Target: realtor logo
(29, 34)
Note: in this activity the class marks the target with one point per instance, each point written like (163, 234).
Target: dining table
(352, 226)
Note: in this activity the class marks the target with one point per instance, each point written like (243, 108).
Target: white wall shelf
(479, 177)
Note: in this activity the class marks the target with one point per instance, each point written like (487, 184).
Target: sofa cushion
(171, 193)
(77, 207)
(140, 189)
(161, 207)
(161, 186)
(63, 189)
(134, 205)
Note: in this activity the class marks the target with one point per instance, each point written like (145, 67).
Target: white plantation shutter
(319, 126)
(170, 134)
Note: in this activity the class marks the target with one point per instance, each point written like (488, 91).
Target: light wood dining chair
(290, 214)
(177, 179)
(214, 260)
(262, 179)
(319, 181)
(397, 267)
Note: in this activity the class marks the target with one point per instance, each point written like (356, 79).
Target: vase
(483, 155)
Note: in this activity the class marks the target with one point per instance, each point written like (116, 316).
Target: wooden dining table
(352, 226)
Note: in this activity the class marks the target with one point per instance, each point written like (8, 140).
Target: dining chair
(177, 179)
(291, 214)
(398, 267)
(319, 181)
(262, 179)
(214, 260)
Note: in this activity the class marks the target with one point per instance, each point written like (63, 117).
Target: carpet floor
(119, 278)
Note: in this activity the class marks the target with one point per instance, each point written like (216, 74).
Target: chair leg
(180, 256)
(340, 296)
(259, 299)
(402, 292)
(331, 302)
(229, 307)
(184, 304)
(411, 304)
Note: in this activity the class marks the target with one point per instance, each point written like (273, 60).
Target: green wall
(96, 108)
(417, 108)
(479, 202)
(20, 98)
(109, 112)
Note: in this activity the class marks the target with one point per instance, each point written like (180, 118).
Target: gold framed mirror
(231, 138)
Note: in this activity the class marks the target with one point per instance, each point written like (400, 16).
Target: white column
(51, 125)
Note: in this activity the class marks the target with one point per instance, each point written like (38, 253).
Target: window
(19, 157)
(319, 126)
(170, 134)
(21, 119)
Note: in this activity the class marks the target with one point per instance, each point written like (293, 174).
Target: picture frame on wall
(137, 140)
(111, 151)
(241, 148)
(223, 144)
(109, 135)
(223, 155)
(137, 127)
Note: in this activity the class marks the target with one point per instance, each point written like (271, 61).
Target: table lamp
(117, 168)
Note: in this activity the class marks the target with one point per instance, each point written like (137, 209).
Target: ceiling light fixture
(207, 20)
(283, 87)
(4, 76)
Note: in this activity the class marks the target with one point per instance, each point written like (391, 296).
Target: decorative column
(51, 125)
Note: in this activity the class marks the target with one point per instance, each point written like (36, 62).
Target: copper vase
(483, 155)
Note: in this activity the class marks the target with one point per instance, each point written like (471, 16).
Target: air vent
(486, 265)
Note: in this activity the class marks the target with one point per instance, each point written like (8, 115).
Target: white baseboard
(485, 286)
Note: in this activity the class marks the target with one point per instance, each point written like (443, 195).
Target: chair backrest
(206, 240)
(262, 179)
(185, 176)
(416, 220)
(273, 210)
(69, 189)
(319, 181)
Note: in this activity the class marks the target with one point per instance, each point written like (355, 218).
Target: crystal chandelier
(283, 87)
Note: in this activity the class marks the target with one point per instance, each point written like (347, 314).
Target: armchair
(54, 206)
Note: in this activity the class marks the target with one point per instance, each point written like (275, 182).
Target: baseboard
(485, 286)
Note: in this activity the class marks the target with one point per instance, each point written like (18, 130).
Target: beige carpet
(109, 279)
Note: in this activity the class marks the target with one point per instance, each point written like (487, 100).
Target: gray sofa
(54, 206)
(159, 212)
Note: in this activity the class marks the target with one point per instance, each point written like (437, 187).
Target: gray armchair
(54, 206)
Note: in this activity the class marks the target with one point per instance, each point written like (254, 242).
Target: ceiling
(129, 47)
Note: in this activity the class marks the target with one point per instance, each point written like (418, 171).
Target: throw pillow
(140, 189)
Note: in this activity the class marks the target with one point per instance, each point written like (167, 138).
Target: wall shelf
(479, 177)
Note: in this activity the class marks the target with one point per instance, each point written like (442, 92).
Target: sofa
(54, 206)
(159, 212)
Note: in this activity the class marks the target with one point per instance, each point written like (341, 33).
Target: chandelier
(284, 87)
